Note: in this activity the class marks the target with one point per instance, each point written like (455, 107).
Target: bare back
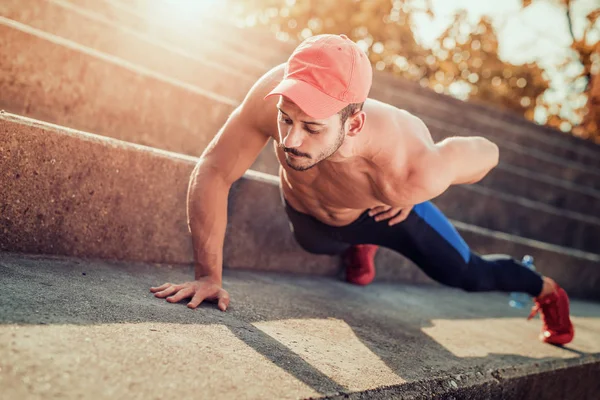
(337, 193)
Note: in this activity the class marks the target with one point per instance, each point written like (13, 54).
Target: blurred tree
(586, 53)
(463, 61)
(589, 56)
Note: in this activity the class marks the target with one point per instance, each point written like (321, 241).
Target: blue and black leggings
(427, 238)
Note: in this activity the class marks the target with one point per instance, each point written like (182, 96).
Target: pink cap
(324, 74)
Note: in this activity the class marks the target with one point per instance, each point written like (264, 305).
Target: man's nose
(294, 138)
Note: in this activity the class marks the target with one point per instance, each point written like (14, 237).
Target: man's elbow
(492, 158)
(473, 158)
(427, 185)
(488, 150)
(495, 158)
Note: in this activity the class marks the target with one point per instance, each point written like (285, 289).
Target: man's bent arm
(224, 161)
(453, 161)
(469, 158)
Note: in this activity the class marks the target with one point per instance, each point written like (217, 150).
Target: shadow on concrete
(386, 318)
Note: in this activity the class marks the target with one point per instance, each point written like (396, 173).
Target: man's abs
(328, 215)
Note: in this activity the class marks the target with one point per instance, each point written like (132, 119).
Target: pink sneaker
(360, 264)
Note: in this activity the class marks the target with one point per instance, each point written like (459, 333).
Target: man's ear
(356, 122)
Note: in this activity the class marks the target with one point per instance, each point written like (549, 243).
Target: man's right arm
(230, 153)
(228, 156)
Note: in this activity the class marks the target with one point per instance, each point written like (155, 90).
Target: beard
(323, 156)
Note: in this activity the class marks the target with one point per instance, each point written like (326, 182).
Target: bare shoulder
(413, 127)
(400, 136)
(257, 111)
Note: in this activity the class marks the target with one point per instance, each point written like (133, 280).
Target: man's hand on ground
(200, 290)
(396, 214)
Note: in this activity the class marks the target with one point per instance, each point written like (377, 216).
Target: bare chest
(336, 195)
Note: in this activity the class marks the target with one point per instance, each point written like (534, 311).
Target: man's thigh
(426, 237)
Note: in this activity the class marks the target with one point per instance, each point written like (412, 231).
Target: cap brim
(311, 101)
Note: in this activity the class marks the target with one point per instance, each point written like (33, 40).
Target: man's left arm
(433, 168)
(453, 161)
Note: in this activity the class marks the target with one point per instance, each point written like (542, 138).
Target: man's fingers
(401, 217)
(198, 293)
(388, 214)
(223, 300)
(197, 299)
(182, 294)
(167, 292)
(159, 288)
(378, 209)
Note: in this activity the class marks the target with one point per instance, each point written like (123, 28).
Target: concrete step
(90, 90)
(494, 209)
(60, 20)
(423, 102)
(90, 326)
(560, 194)
(97, 32)
(78, 194)
(258, 48)
(555, 173)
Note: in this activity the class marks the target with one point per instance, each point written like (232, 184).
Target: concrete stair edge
(155, 41)
(550, 180)
(155, 20)
(139, 69)
(575, 253)
(495, 383)
(108, 141)
(536, 205)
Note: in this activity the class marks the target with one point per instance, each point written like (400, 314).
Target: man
(355, 174)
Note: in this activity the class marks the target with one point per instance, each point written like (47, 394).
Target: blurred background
(538, 58)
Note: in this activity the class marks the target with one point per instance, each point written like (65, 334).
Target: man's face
(305, 140)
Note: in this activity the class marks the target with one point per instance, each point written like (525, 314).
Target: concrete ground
(72, 328)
